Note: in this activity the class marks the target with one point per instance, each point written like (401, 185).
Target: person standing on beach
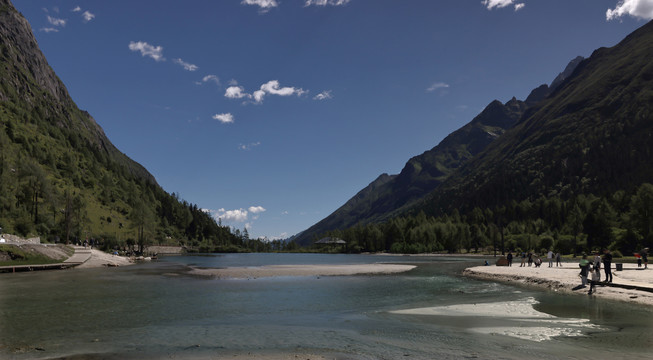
(644, 254)
(530, 259)
(509, 257)
(607, 263)
(549, 256)
(584, 266)
(558, 259)
(597, 266)
(523, 259)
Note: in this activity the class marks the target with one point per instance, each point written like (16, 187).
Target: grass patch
(13, 255)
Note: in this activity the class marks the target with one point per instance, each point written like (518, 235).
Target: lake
(156, 310)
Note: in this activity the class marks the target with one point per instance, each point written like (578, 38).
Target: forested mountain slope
(61, 177)
(593, 134)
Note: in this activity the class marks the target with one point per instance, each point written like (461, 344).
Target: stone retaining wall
(17, 240)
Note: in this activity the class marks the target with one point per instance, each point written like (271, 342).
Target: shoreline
(565, 279)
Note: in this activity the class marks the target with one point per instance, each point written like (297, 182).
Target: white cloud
(76, 9)
(326, 2)
(641, 9)
(272, 87)
(155, 52)
(436, 86)
(56, 22)
(256, 209)
(185, 65)
(249, 146)
(324, 95)
(226, 118)
(236, 216)
(49, 30)
(491, 4)
(236, 92)
(264, 5)
(88, 16)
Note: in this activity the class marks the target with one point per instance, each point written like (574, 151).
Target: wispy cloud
(76, 9)
(272, 87)
(209, 78)
(49, 29)
(250, 146)
(185, 65)
(436, 86)
(641, 9)
(55, 21)
(155, 52)
(264, 5)
(491, 4)
(88, 16)
(324, 95)
(326, 2)
(225, 118)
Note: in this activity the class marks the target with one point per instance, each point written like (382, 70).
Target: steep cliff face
(19, 47)
(29, 83)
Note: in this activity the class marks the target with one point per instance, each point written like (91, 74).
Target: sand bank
(301, 270)
(100, 259)
(565, 279)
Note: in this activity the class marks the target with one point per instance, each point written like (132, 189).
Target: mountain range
(589, 131)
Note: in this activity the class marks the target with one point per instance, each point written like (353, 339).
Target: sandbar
(565, 279)
(301, 270)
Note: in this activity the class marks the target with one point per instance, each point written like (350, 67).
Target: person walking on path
(607, 264)
(558, 259)
(644, 254)
(597, 266)
(530, 259)
(523, 259)
(509, 257)
(549, 256)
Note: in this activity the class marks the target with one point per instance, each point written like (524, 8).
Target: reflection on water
(155, 310)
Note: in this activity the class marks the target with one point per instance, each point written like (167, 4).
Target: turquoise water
(156, 310)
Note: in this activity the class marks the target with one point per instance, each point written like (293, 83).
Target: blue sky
(271, 114)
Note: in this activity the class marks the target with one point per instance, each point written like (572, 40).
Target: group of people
(535, 259)
(593, 269)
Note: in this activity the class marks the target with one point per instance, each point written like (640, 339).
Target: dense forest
(622, 223)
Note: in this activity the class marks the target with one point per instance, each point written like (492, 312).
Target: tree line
(621, 222)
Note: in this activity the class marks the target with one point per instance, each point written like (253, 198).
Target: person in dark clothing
(530, 259)
(607, 264)
(644, 254)
(509, 257)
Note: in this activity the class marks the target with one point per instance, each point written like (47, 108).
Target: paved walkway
(80, 256)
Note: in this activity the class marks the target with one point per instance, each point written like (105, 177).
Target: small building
(330, 241)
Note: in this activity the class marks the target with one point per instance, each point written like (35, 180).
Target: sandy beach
(565, 279)
(300, 270)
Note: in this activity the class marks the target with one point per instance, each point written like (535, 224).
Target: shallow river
(155, 310)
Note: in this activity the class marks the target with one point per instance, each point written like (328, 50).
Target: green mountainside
(593, 134)
(61, 177)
